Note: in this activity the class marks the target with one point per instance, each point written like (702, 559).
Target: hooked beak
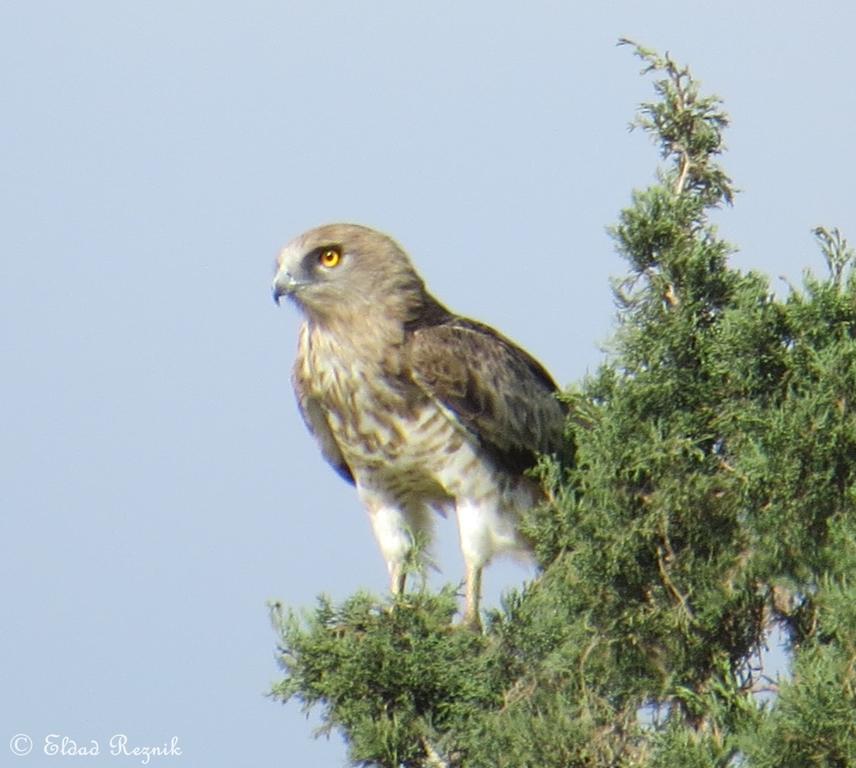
(284, 284)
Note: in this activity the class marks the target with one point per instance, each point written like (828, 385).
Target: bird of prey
(423, 410)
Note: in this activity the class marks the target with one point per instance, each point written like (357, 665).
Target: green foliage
(713, 497)
(395, 677)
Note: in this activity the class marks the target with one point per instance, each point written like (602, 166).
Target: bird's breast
(378, 416)
(398, 440)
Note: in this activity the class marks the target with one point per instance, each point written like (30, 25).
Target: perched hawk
(422, 410)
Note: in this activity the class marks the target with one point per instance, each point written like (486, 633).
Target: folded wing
(499, 392)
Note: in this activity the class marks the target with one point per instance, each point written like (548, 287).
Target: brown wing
(499, 391)
(316, 423)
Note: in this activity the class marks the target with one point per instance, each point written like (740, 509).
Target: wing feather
(500, 392)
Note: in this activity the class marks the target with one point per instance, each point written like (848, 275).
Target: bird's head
(342, 271)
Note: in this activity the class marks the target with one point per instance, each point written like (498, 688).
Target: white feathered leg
(396, 530)
(488, 527)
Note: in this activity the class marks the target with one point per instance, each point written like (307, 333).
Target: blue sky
(157, 483)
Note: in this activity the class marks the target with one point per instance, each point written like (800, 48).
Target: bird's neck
(377, 325)
(428, 311)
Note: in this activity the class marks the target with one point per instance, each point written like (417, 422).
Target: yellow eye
(330, 257)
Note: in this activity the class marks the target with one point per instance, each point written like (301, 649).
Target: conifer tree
(712, 498)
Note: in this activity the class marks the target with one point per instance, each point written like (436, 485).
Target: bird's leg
(472, 619)
(397, 577)
(391, 530)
